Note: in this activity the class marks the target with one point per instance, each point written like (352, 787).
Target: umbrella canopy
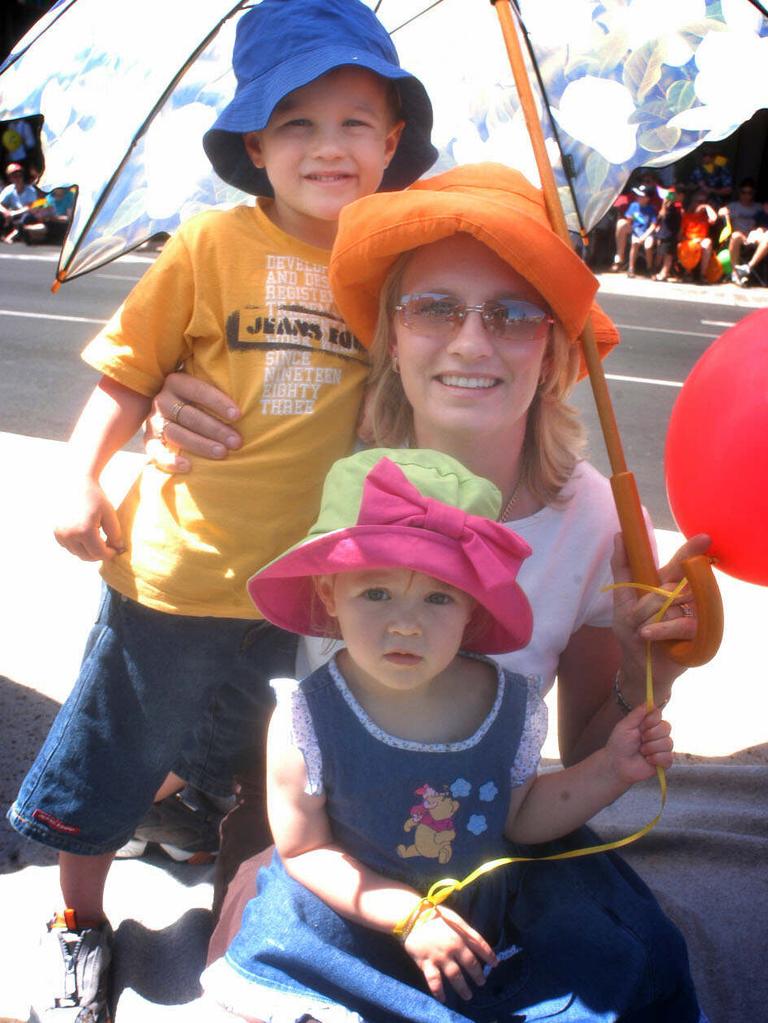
(629, 83)
(127, 92)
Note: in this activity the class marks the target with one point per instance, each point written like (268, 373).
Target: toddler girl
(411, 756)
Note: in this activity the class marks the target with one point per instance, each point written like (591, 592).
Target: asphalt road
(43, 383)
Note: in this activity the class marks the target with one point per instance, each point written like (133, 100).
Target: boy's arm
(111, 416)
(650, 229)
(552, 805)
(441, 946)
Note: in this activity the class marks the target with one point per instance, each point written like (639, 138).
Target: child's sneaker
(184, 825)
(741, 274)
(73, 978)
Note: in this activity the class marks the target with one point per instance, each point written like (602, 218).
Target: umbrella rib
(61, 273)
(415, 16)
(566, 158)
(53, 16)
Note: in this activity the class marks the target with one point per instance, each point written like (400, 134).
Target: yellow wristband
(402, 929)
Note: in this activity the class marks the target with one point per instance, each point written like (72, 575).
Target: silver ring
(686, 609)
(176, 408)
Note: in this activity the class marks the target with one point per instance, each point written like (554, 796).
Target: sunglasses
(432, 314)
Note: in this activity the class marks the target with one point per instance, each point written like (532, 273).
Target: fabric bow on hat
(390, 499)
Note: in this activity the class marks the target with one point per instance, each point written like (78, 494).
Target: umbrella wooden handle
(697, 570)
(709, 606)
(709, 612)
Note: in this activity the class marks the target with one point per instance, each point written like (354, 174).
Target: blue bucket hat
(282, 45)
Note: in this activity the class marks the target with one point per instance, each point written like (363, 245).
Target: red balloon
(716, 458)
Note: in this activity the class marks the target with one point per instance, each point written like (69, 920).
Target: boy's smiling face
(326, 145)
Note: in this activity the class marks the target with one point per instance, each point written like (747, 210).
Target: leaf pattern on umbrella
(127, 92)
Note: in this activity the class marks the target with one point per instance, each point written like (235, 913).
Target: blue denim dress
(580, 940)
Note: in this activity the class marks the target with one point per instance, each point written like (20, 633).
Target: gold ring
(176, 408)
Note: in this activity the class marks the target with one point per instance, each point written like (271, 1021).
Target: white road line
(41, 257)
(664, 330)
(644, 380)
(118, 277)
(86, 319)
(53, 257)
(719, 323)
(50, 316)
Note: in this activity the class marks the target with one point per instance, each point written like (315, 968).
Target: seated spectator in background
(16, 199)
(667, 234)
(642, 217)
(18, 142)
(695, 246)
(711, 174)
(651, 180)
(741, 218)
(623, 230)
(51, 218)
(745, 273)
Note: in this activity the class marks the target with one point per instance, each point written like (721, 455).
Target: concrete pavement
(47, 602)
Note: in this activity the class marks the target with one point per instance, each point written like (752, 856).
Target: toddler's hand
(89, 527)
(444, 946)
(639, 744)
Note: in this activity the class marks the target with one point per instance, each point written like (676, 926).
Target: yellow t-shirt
(248, 308)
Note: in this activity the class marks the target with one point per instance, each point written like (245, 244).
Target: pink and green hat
(405, 508)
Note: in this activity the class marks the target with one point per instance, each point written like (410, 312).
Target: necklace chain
(512, 500)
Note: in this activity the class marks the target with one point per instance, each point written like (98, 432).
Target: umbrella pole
(625, 492)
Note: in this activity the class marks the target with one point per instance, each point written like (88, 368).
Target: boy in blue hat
(322, 115)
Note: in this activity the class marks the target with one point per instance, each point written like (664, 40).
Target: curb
(713, 294)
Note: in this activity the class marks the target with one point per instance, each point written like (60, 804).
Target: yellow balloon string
(442, 889)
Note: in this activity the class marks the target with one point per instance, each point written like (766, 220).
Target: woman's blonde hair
(554, 435)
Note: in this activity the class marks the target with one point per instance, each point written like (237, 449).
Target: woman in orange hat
(472, 307)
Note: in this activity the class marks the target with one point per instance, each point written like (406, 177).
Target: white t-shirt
(743, 215)
(572, 545)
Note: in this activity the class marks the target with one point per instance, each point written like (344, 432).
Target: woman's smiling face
(473, 382)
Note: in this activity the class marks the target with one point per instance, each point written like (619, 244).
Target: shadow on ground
(162, 966)
(25, 717)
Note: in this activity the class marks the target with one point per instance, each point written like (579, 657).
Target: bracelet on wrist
(624, 706)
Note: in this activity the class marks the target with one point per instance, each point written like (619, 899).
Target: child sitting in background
(642, 214)
(695, 246)
(667, 233)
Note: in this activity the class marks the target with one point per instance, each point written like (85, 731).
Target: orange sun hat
(493, 203)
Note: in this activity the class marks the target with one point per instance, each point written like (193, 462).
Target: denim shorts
(151, 685)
